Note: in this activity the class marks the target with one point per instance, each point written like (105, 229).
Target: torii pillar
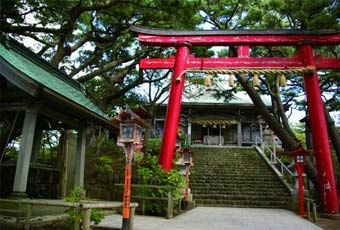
(328, 192)
(174, 106)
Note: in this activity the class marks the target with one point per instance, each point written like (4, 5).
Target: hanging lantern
(231, 80)
(214, 126)
(207, 80)
(282, 80)
(256, 81)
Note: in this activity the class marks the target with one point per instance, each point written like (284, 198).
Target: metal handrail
(273, 157)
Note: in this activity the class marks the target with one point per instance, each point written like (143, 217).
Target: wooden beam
(159, 37)
(58, 116)
(14, 106)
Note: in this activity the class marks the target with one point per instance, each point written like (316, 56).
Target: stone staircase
(235, 177)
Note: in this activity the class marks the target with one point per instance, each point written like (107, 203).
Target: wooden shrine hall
(36, 98)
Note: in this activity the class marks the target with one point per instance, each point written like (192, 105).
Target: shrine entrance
(305, 62)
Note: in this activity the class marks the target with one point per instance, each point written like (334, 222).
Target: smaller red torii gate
(303, 39)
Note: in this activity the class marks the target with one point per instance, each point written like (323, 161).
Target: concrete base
(187, 205)
(17, 195)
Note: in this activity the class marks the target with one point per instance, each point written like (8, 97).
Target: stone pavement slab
(211, 218)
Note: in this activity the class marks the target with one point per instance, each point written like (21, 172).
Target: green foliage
(299, 131)
(103, 165)
(151, 173)
(77, 195)
(11, 153)
(108, 147)
(153, 146)
(97, 215)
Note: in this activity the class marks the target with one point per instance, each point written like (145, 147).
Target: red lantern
(299, 156)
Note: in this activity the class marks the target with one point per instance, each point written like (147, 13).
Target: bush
(153, 146)
(104, 165)
(151, 173)
(77, 195)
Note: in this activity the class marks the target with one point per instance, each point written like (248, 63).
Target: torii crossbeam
(303, 39)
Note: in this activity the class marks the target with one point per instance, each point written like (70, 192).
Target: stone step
(227, 187)
(223, 180)
(213, 196)
(276, 206)
(244, 192)
(232, 175)
(214, 169)
(242, 202)
(235, 178)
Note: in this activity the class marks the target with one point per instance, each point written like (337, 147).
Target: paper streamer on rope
(231, 80)
(282, 80)
(308, 70)
(207, 80)
(256, 81)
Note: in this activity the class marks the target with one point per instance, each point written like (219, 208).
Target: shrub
(151, 173)
(104, 165)
(153, 146)
(77, 195)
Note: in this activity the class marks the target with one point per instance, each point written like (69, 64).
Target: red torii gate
(303, 39)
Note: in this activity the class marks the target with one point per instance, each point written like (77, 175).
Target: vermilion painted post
(322, 153)
(174, 107)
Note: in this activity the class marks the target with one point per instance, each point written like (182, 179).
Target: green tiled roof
(32, 66)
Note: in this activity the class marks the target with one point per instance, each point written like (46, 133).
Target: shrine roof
(32, 74)
(239, 99)
(171, 32)
(209, 98)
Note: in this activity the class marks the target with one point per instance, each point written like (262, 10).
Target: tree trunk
(281, 110)
(288, 141)
(285, 137)
(308, 134)
(332, 132)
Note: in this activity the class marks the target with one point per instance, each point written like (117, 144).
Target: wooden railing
(83, 208)
(170, 199)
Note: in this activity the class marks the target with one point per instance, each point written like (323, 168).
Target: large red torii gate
(303, 39)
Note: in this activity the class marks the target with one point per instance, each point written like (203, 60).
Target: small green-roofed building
(36, 98)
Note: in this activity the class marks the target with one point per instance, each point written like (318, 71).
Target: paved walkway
(204, 218)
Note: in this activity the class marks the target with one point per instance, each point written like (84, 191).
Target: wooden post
(64, 168)
(76, 225)
(220, 135)
(80, 158)
(143, 206)
(308, 209)
(132, 218)
(23, 162)
(170, 206)
(208, 135)
(274, 146)
(239, 134)
(36, 144)
(86, 218)
(314, 212)
(189, 133)
(28, 217)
